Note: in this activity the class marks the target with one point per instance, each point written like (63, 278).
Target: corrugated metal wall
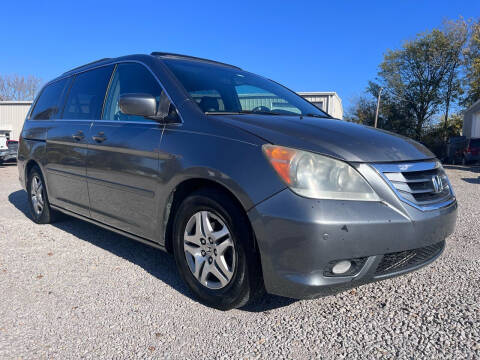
(12, 116)
(317, 99)
(471, 121)
(250, 102)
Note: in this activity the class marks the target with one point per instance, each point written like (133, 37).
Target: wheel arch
(182, 191)
(29, 166)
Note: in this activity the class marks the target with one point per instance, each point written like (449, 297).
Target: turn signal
(280, 158)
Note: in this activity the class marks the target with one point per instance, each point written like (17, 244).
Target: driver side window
(129, 78)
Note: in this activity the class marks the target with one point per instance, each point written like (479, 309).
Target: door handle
(100, 137)
(79, 136)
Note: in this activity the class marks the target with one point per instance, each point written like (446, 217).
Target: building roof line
(16, 102)
(473, 106)
(317, 93)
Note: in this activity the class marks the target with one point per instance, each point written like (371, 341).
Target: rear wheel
(214, 252)
(37, 198)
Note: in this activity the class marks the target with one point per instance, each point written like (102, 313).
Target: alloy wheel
(36, 193)
(209, 250)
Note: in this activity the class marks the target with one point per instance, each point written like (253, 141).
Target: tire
(464, 161)
(46, 215)
(238, 266)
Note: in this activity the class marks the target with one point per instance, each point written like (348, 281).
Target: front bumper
(298, 238)
(8, 157)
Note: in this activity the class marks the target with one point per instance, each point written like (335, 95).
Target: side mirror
(166, 110)
(138, 104)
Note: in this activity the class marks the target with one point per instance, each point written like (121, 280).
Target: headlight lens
(316, 176)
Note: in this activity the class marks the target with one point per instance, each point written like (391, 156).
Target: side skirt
(107, 227)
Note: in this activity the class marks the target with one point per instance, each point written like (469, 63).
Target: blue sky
(306, 45)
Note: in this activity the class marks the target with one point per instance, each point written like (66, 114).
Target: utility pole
(378, 106)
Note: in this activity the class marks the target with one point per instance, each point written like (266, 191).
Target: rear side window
(129, 78)
(85, 99)
(49, 102)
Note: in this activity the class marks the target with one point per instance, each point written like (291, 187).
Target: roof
(188, 57)
(475, 106)
(156, 54)
(320, 93)
(87, 65)
(16, 102)
(317, 93)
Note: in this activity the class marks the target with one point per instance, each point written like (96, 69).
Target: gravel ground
(73, 290)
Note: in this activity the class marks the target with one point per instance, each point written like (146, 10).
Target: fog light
(345, 267)
(341, 267)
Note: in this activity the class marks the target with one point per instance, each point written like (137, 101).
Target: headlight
(316, 176)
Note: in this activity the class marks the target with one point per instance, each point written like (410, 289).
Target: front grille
(420, 184)
(403, 260)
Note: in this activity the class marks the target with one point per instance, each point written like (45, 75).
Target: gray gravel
(73, 290)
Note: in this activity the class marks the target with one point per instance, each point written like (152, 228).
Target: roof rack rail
(158, 53)
(85, 65)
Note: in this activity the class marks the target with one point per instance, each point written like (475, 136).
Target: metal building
(12, 116)
(328, 101)
(471, 121)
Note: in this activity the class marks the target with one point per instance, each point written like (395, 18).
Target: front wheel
(214, 250)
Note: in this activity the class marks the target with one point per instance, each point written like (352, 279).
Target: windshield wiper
(246, 112)
(222, 112)
(260, 112)
(317, 116)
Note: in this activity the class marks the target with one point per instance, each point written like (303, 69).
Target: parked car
(250, 186)
(471, 152)
(10, 153)
(461, 150)
(455, 147)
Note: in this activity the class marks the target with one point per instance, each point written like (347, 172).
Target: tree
(456, 32)
(414, 75)
(392, 116)
(434, 133)
(472, 66)
(16, 87)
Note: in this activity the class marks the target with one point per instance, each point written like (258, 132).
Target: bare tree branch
(17, 87)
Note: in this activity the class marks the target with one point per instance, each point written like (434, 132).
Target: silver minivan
(251, 187)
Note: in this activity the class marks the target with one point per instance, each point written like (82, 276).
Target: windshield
(219, 89)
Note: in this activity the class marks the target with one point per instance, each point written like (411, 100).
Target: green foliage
(422, 82)
(415, 75)
(434, 134)
(472, 65)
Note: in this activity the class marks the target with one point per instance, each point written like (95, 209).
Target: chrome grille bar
(423, 185)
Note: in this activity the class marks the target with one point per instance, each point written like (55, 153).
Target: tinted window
(129, 78)
(218, 88)
(85, 99)
(47, 106)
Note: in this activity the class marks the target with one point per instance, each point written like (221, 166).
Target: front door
(123, 158)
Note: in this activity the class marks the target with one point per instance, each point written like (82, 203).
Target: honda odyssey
(250, 186)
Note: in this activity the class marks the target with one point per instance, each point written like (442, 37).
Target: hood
(337, 138)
